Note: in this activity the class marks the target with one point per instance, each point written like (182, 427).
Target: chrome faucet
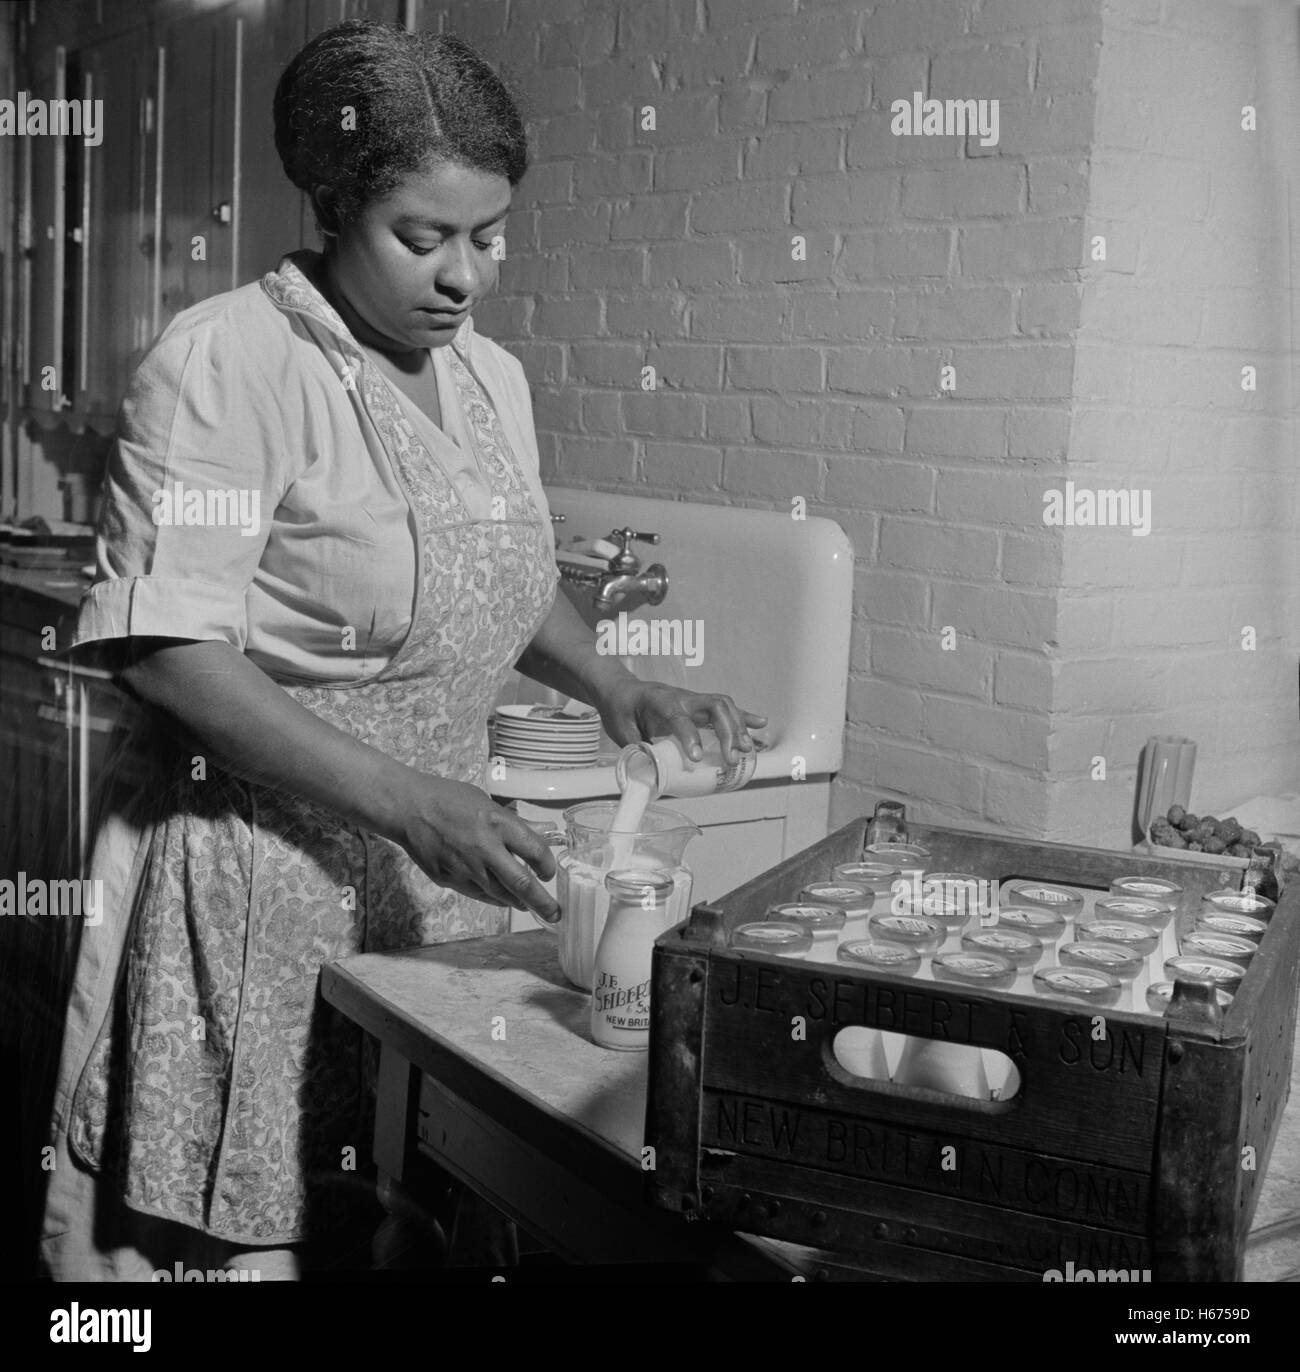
(622, 584)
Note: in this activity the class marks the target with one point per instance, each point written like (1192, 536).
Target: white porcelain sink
(772, 597)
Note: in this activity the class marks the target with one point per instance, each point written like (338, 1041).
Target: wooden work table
(487, 1060)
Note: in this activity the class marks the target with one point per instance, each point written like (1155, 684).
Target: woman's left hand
(635, 710)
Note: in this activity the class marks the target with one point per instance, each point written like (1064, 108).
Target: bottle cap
(1017, 945)
(915, 931)
(1241, 926)
(1160, 993)
(1039, 895)
(1194, 967)
(1124, 963)
(1121, 932)
(849, 896)
(1148, 888)
(817, 919)
(1204, 943)
(1046, 925)
(896, 852)
(880, 956)
(1089, 984)
(991, 970)
(637, 883)
(1155, 914)
(1240, 903)
(781, 940)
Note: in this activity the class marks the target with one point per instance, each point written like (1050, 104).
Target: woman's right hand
(462, 838)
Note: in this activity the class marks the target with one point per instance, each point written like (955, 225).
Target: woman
(317, 674)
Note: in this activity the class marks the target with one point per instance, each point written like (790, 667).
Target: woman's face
(413, 265)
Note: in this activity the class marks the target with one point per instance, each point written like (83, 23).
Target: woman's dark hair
(415, 98)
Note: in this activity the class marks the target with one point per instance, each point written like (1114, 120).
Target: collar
(291, 287)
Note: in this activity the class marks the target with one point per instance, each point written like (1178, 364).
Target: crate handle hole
(871, 1056)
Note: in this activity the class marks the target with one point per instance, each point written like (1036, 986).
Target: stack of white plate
(545, 736)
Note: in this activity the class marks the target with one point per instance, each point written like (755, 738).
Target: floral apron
(221, 1092)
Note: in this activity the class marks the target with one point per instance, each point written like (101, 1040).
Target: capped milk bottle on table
(620, 998)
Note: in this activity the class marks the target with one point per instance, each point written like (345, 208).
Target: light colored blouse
(306, 532)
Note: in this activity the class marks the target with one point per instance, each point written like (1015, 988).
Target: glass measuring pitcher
(591, 848)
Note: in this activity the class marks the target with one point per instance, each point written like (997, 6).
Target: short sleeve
(197, 471)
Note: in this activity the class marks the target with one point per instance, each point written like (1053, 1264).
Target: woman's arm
(563, 655)
(258, 731)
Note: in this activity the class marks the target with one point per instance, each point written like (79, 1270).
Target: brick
(756, 318)
(1058, 185)
(650, 216)
(682, 466)
(685, 117)
(963, 190)
(1036, 125)
(995, 614)
(1154, 188)
(577, 44)
(1072, 745)
(548, 462)
(1106, 435)
(601, 412)
(566, 135)
(884, 372)
(1185, 503)
(1032, 560)
(561, 225)
(1171, 618)
(690, 366)
(998, 733)
(557, 91)
(614, 127)
(621, 267)
(1036, 371)
(477, 19)
(873, 145)
(954, 429)
(726, 419)
(912, 252)
(1083, 622)
(628, 173)
(721, 15)
(1122, 243)
(618, 82)
(607, 363)
(1113, 558)
(645, 314)
(877, 428)
(894, 710)
(1068, 57)
(923, 25)
(940, 549)
(1158, 316)
(1111, 685)
(653, 28)
(965, 670)
(1018, 251)
(708, 164)
(597, 459)
(549, 183)
(1231, 317)
(1041, 434)
(960, 313)
(771, 258)
(844, 199)
(740, 209)
(710, 59)
(801, 423)
(771, 475)
(782, 368)
(829, 93)
(1023, 682)
(991, 71)
(786, 153)
(991, 497)
(879, 485)
(891, 597)
(811, 39)
(534, 273)
(860, 527)
(558, 410)
(928, 775)
(501, 316)
(666, 414)
(897, 76)
(543, 362)
(742, 108)
(845, 315)
(1013, 801)
(578, 317)
(1049, 310)
(859, 646)
(696, 262)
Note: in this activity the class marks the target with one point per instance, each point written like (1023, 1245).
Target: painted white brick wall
(820, 377)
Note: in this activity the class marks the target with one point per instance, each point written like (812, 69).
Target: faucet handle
(626, 561)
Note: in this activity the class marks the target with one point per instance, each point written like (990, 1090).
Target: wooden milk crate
(1124, 1153)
